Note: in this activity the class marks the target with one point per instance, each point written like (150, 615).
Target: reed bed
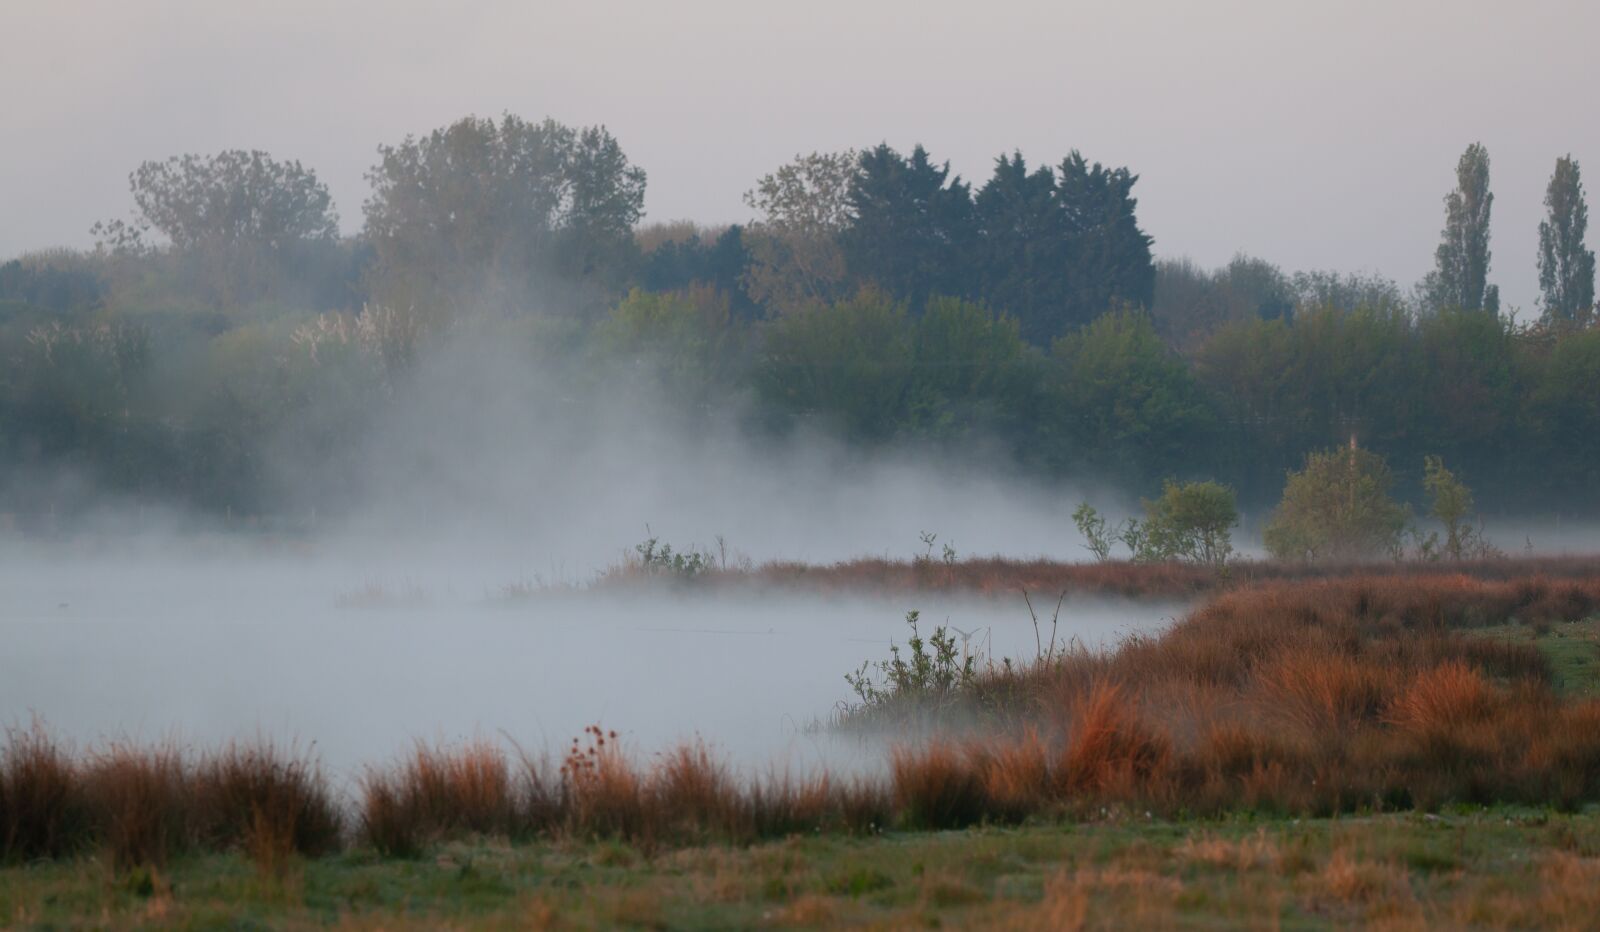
(1007, 576)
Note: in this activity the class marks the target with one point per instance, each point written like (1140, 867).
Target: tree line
(876, 294)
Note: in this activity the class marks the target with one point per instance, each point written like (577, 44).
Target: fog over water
(292, 646)
(370, 606)
(377, 612)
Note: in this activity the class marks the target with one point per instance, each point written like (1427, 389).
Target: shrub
(1191, 521)
(1337, 508)
(930, 676)
(657, 559)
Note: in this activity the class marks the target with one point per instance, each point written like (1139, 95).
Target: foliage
(658, 559)
(1190, 521)
(485, 212)
(911, 231)
(930, 675)
(847, 363)
(795, 259)
(1098, 536)
(915, 308)
(686, 342)
(1566, 265)
(701, 260)
(1459, 280)
(1122, 399)
(1337, 508)
(57, 282)
(1450, 501)
(240, 221)
(972, 376)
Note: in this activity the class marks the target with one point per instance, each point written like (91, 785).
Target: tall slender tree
(1566, 267)
(1460, 279)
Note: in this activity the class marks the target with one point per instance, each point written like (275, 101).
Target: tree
(1450, 501)
(1025, 253)
(1461, 263)
(498, 213)
(1123, 401)
(1191, 521)
(719, 261)
(1111, 261)
(912, 229)
(970, 372)
(847, 363)
(1061, 246)
(683, 342)
(1190, 304)
(1337, 508)
(1566, 267)
(240, 219)
(795, 258)
(1344, 291)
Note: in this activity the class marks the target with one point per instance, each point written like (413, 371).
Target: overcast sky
(1316, 135)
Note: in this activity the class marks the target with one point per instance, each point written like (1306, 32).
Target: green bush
(1337, 508)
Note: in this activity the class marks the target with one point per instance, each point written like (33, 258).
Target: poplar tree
(1461, 263)
(1566, 268)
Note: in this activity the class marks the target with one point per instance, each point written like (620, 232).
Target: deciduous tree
(1460, 279)
(804, 207)
(1566, 265)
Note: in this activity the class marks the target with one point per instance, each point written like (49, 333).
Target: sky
(1314, 135)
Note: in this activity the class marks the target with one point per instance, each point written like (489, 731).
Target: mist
(358, 483)
(433, 578)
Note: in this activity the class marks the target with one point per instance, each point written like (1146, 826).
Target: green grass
(1497, 868)
(1573, 649)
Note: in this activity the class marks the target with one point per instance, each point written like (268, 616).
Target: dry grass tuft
(1107, 745)
(1442, 701)
(1015, 775)
(936, 787)
(40, 803)
(140, 801)
(270, 802)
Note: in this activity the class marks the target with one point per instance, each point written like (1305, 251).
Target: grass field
(1572, 648)
(1497, 868)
